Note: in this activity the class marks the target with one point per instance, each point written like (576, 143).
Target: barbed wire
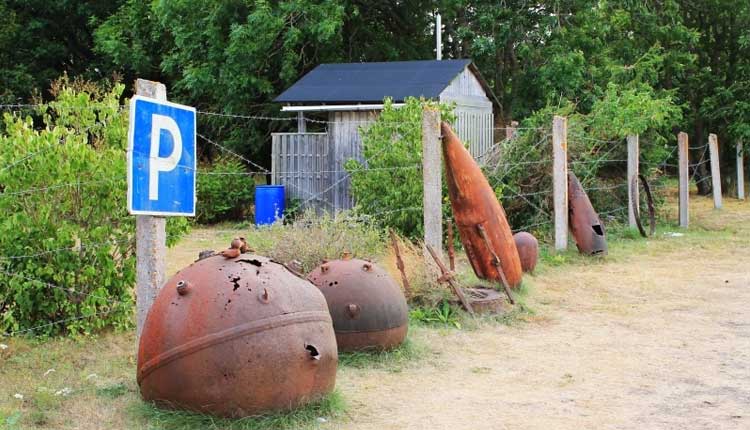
(77, 183)
(596, 161)
(605, 187)
(63, 321)
(74, 248)
(536, 193)
(527, 227)
(592, 139)
(72, 290)
(229, 151)
(520, 128)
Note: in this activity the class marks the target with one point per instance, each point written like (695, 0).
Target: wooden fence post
(560, 180)
(713, 147)
(150, 238)
(432, 177)
(740, 172)
(301, 123)
(633, 196)
(684, 184)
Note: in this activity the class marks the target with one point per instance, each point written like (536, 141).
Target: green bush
(225, 191)
(388, 185)
(66, 238)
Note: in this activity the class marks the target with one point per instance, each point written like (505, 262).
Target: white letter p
(158, 164)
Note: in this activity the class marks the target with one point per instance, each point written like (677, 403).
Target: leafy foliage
(606, 58)
(66, 238)
(225, 191)
(388, 185)
(443, 314)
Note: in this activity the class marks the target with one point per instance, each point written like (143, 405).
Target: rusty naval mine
(585, 225)
(237, 335)
(480, 218)
(367, 306)
(528, 250)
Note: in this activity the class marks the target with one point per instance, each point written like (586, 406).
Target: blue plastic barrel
(269, 203)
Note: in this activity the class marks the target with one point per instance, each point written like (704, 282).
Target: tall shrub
(388, 183)
(67, 259)
(225, 191)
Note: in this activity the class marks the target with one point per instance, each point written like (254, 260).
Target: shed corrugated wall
(474, 117)
(300, 162)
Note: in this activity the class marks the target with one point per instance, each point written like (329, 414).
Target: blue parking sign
(161, 158)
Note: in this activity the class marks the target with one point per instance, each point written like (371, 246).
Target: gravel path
(656, 337)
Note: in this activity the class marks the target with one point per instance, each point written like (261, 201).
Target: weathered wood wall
(474, 118)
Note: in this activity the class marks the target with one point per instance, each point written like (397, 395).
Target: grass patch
(305, 417)
(113, 391)
(393, 360)
(444, 314)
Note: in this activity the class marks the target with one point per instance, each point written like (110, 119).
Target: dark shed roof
(372, 82)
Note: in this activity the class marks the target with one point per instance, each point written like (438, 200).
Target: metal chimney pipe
(438, 37)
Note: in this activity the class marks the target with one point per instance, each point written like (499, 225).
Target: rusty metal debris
(649, 201)
(448, 276)
(368, 309)
(585, 225)
(474, 203)
(528, 250)
(496, 261)
(400, 264)
(236, 337)
(241, 244)
(451, 246)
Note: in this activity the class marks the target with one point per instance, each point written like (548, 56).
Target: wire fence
(535, 154)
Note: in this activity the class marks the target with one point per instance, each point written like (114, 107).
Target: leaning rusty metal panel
(300, 163)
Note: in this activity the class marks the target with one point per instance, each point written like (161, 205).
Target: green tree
(387, 184)
(41, 40)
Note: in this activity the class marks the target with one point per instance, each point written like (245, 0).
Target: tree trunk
(700, 172)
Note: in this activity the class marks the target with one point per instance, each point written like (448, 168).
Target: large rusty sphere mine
(368, 309)
(236, 337)
(528, 250)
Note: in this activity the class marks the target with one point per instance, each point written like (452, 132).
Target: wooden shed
(311, 165)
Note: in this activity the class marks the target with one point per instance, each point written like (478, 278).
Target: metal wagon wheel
(649, 201)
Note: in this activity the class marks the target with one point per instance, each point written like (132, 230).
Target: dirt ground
(656, 337)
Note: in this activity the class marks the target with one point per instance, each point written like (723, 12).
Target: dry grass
(628, 341)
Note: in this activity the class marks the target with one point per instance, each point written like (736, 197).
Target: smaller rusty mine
(528, 250)
(367, 306)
